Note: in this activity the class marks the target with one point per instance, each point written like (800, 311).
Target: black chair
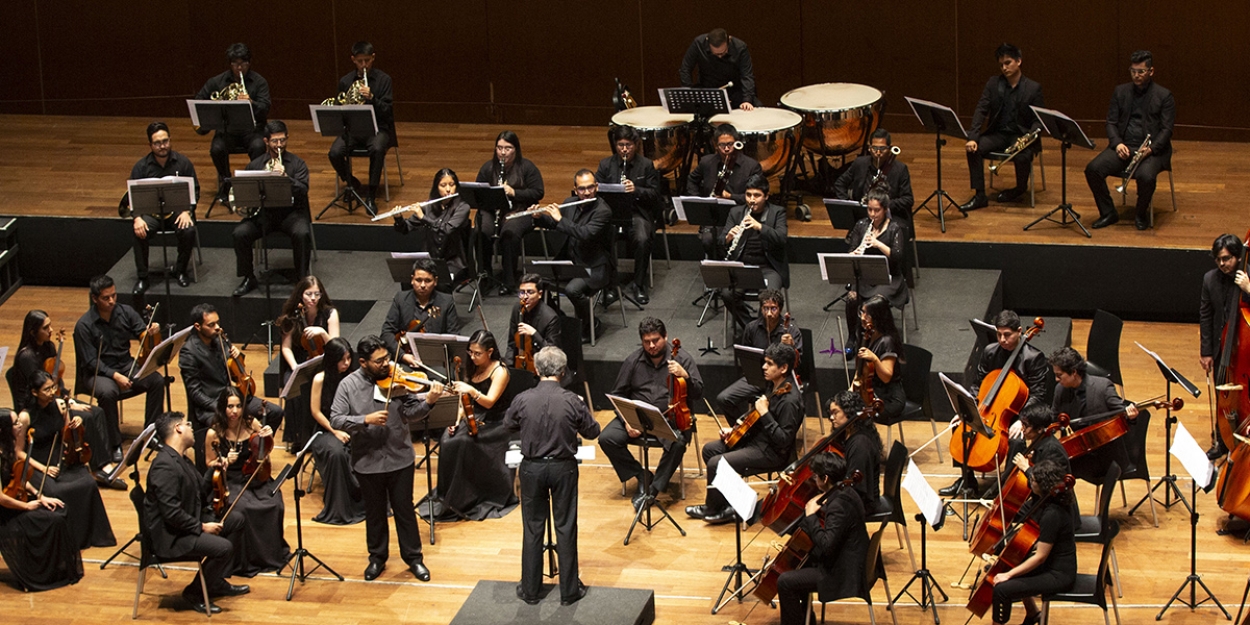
(1090, 589)
(873, 571)
(656, 448)
(363, 152)
(10, 376)
(148, 558)
(571, 345)
(1171, 185)
(807, 372)
(916, 371)
(1102, 348)
(1137, 454)
(890, 502)
(1092, 528)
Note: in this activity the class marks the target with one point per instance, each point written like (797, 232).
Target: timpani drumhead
(762, 119)
(650, 117)
(831, 96)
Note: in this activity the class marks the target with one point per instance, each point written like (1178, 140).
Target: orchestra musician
(177, 521)
(720, 60)
(102, 350)
(444, 226)
(434, 311)
(1030, 365)
(259, 546)
(642, 182)
(878, 234)
(34, 351)
(766, 446)
(1034, 419)
(294, 220)
(308, 321)
(835, 524)
(859, 178)
(38, 549)
(861, 446)
(589, 242)
(162, 161)
(644, 376)
(549, 419)
(523, 184)
(202, 361)
(881, 346)
(1051, 568)
(763, 331)
(1079, 395)
(376, 92)
(755, 234)
(1139, 109)
(257, 92)
(88, 521)
(342, 503)
(1001, 118)
(382, 456)
(532, 316)
(1218, 288)
(738, 168)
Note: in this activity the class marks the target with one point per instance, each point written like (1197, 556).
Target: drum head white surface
(762, 119)
(650, 117)
(831, 96)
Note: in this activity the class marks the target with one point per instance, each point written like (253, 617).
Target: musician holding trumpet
(238, 83)
(160, 162)
(1139, 141)
(374, 89)
(755, 234)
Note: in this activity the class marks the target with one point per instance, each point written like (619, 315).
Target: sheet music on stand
(358, 121)
(844, 213)
(750, 362)
(1062, 127)
(704, 206)
(644, 417)
(301, 375)
(134, 451)
(230, 116)
(965, 405)
(557, 271)
(154, 186)
(863, 270)
(485, 197)
(937, 117)
(163, 353)
(697, 100)
(437, 349)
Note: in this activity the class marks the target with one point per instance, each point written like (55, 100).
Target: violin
(237, 366)
(221, 492)
(865, 372)
(55, 366)
(744, 425)
(1092, 437)
(403, 381)
(786, 324)
(74, 447)
(786, 501)
(466, 402)
(315, 346)
(257, 464)
(416, 325)
(22, 472)
(998, 403)
(678, 396)
(150, 337)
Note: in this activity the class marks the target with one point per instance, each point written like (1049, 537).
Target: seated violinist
(532, 317)
(1089, 400)
(860, 443)
(835, 523)
(767, 445)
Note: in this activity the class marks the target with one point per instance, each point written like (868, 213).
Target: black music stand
(843, 214)
(491, 202)
(437, 350)
(131, 459)
(737, 568)
(701, 102)
(856, 271)
(557, 273)
(400, 267)
(160, 356)
(231, 117)
(750, 361)
(622, 205)
(263, 190)
(928, 585)
(704, 212)
(300, 378)
(1168, 481)
(443, 414)
(159, 197)
(355, 124)
(728, 274)
(941, 120)
(1193, 580)
(1067, 131)
(296, 559)
(651, 422)
(965, 405)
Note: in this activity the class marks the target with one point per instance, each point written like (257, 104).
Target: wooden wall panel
(20, 91)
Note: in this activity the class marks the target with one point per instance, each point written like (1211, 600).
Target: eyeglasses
(725, 144)
(528, 292)
(879, 148)
(381, 361)
(1138, 72)
(161, 143)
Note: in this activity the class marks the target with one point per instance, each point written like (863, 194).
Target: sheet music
(1191, 455)
(147, 182)
(927, 499)
(681, 208)
(257, 173)
(478, 185)
(315, 361)
(150, 365)
(736, 491)
(411, 255)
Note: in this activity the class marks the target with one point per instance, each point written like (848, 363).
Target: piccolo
(534, 210)
(412, 207)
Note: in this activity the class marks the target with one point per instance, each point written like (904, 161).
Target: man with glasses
(729, 164)
(760, 333)
(531, 316)
(642, 183)
(256, 91)
(878, 169)
(160, 162)
(1220, 286)
(1139, 109)
(376, 92)
(755, 234)
(423, 309)
(721, 60)
(589, 242)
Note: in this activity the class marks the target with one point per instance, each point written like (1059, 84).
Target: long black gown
(36, 545)
(260, 545)
(88, 520)
(342, 503)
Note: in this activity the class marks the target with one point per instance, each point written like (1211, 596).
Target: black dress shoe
(520, 594)
(117, 454)
(246, 286)
(373, 571)
(1104, 221)
(197, 604)
(1217, 450)
(978, 201)
(419, 571)
(581, 592)
(698, 512)
(371, 206)
(102, 479)
(231, 590)
(638, 500)
(1010, 195)
(1143, 223)
(140, 287)
(184, 280)
(721, 517)
(609, 297)
(354, 183)
(641, 295)
(506, 290)
(951, 490)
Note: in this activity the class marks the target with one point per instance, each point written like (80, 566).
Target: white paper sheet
(922, 493)
(735, 490)
(1191, 455)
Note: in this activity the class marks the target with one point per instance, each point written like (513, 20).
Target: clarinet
(624, 168)
(500, 182)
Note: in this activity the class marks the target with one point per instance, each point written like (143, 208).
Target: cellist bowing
(1218, 288)
(860, 444)
(1081, 396)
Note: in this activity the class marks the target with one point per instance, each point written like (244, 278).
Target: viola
(237, 366)
(466, 402)
(744, 425)
(403, 382)
(55, 366)
(865, 372)
(998, 404)
(315, 346)
(150, 337)
(786, 501)
(257, 464)
(1232, 370)
(1090, 438)
(221, 492)
(22, 472)
(75, 449)
(678, 396)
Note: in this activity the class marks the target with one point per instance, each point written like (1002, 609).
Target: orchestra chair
(148, 557)
(571, 345)
(1171, 186)
(231, 151)
(363, 152)
(1092, 528)
(890, 501)
(598, 297)
(260, 249)
(173, 243)
(654, 443)
(1102, 347)
(807, 371)
(1137, 454)
(873, 570)
(1036, 166)
(1090, 589)
(916, 370)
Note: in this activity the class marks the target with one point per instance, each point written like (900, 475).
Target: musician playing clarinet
(1219, 287)
(1139, 109)
(523, 184)
(589, 242)
(876, 235)
(755, 234)
(642, 183)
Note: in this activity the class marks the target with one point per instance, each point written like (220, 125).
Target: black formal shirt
(204, 373)
(863, 453)
(1218, 289)
(588, 227)
(853, 184)
(28, 362)
(776, 428)
(113, 355)
(445, 228)
(296, 170)
(715, 72)
(1155, 111)
(544, 320)
(997, 97)
(702, 179)
(550, 418)
(756, 334)
(405, 309)
(1031, 366)
(646, 197)
(175, 165)
(1057, 529)
(257, 91)
(523, 175)
(173, 508)
(771, 237)
(839, 545)
(382, 102)
(640, 379)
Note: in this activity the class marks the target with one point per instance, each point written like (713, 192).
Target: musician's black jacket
(1031, 366)
(646, 181)
(702, 179)
(990, 107)
(853, 182)
(257, 92)
(1217, 289)
(1158, 110)
(382, 102)
(204, 372)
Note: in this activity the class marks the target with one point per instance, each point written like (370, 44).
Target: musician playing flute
(589, 241)
(1138, 109)
(755, 234)
(375, 89)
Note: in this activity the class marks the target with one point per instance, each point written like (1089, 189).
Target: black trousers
(511, 231)
(295, 222)
(390, 491)
(107, 394)
(614, 442)
(751, 459)
(186, 243)
(1015, 589)
(216, 551)
(736, 301)
(579, 290)
(1107, 164)
(641, 240)
(997, 142)
(735, 400)
(223, 143)
(377, 145)
(793, 591)
(545, 483)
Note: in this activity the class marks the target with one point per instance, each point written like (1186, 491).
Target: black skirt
(87, 520)
(473, 481)
(340, 494)
(38, 549)
(259, 545)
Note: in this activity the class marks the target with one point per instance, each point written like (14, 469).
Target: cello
(1232, 488)
(1090, 438)
(677, 396)
(997, 403)
(1232, 370)
(787, 499)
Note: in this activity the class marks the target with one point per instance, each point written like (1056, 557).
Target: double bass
(678, 399)
(997, 403)
(1232, 400)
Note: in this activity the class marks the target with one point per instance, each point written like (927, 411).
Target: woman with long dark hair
(882, 348)
(308, 321)
(878, 234)
(861, 445)
(523, 184)
(444, 224)
(340, 495)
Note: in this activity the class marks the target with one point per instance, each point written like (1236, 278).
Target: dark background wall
(552, 61)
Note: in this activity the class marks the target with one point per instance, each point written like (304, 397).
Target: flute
(539, 209)
(412, 207)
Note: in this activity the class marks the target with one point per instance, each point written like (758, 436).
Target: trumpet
(534, 210)
(412, 207)
(1132, 165)
(737, 240)
(1016, 148)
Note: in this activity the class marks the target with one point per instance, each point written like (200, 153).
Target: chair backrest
(1103, 345)
(916, 371)
(873, 570)
(807, 360)
(10, 376)
(519, 381)
(146, 555)
(1110, 530)
(893, 479)
(1136, 444)
(1104, 496)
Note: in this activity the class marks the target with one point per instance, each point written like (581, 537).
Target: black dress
(259, 546)
(340, 494)
(36, 545)
(299, 422)
(891, 394)
(88, 520)
(473, 481)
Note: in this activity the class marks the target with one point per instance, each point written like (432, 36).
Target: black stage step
(496, 603)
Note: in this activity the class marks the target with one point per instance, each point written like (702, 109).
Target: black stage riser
(496, 603)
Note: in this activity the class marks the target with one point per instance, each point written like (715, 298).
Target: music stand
(710, 213)
(855, 270)
(491, 202)
(703, 103)
(650, 421)
(131, 459)
(1067, 131)
(263, 190)
(160, 197)
(965, 405)
(557, 273)
(354, 124)
(622, 205)
(843, 214)
(231, 117)
(443, 414)
(439, 349)
(932, 515)
(1200, 468)
(163, 353)
(301, 376)
(728, 274)
(941, 120)
(750, 361)
(400, 266)
(296, 559)
(1171, 376)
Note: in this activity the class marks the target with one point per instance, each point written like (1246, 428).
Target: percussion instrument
(769, 135)
(665, 137)
(838, 117)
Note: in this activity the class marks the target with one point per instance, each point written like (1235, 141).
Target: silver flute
(534, 210)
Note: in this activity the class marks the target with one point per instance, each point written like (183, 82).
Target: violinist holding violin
(1080, 395)
(860, 444)
(308, 321)
(423, 307)
(1220, 287)
(238, 444)
(533, 318)
(834, 521)
(880, 351)
(764, 330)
